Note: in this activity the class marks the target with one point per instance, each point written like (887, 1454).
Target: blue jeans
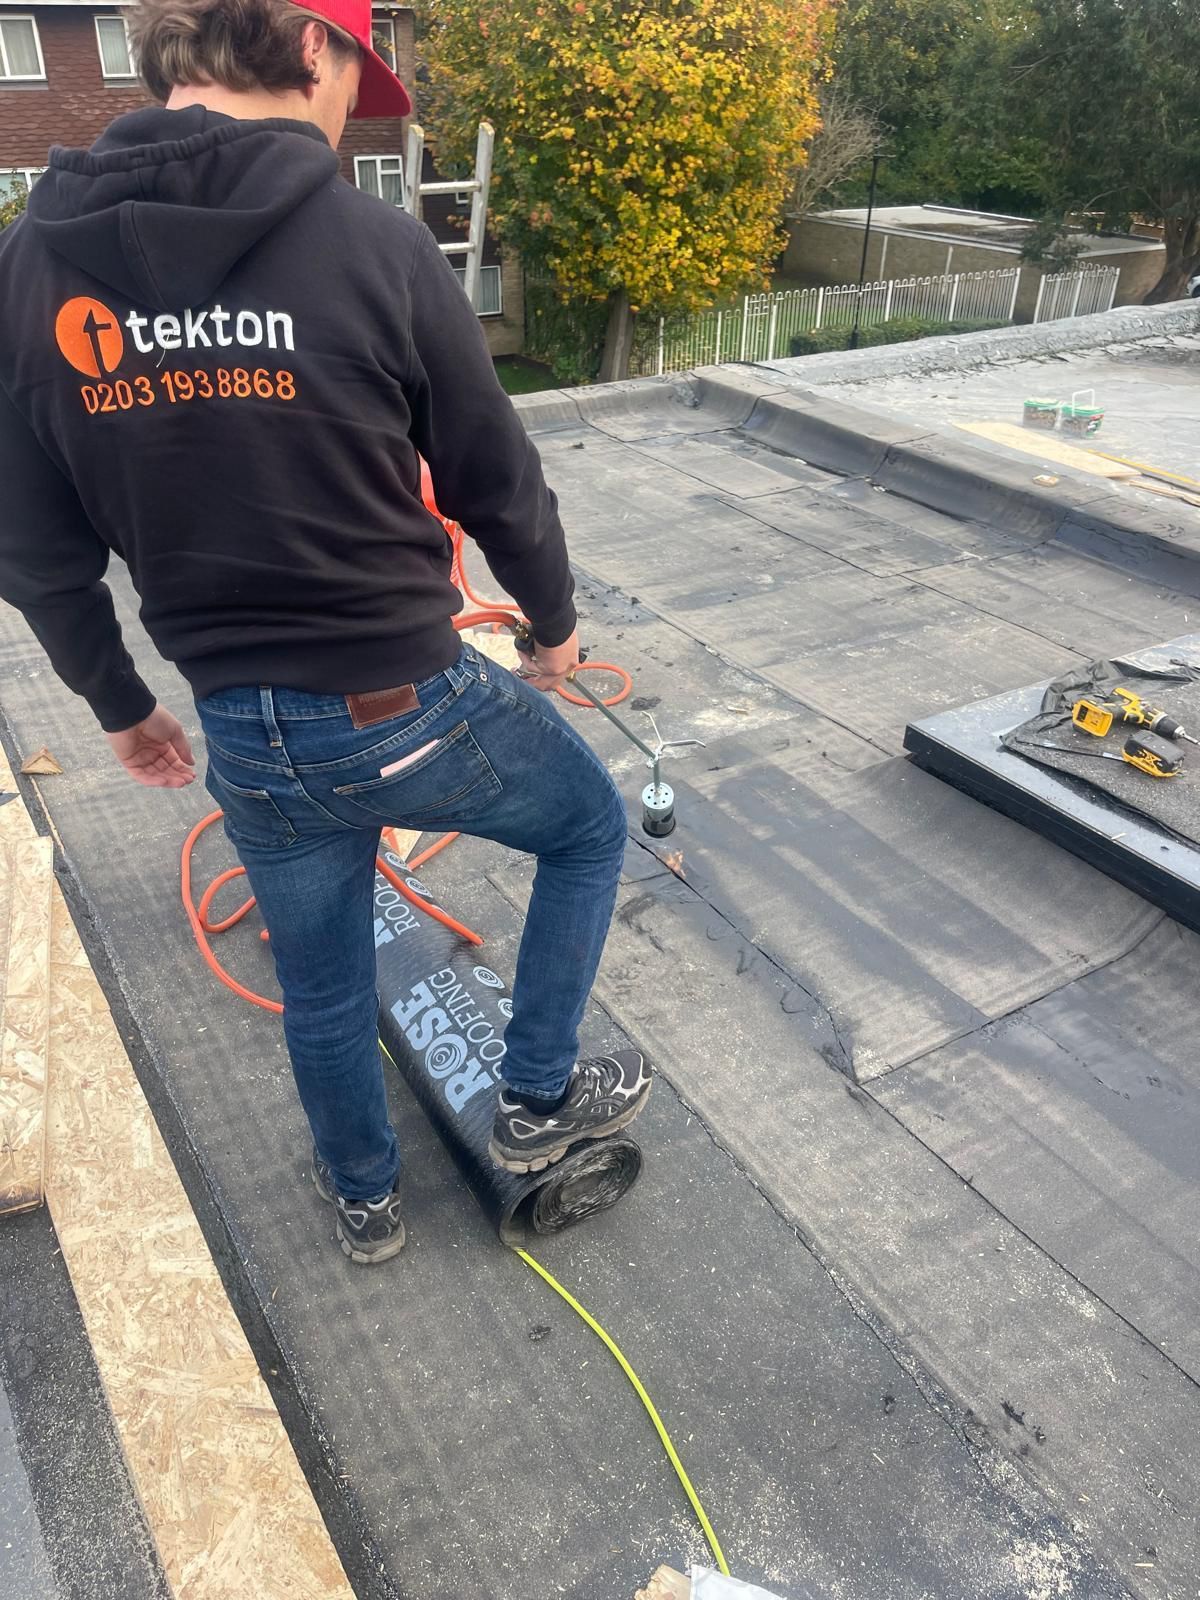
(304, 802)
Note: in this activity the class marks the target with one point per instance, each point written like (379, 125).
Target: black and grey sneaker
(368, 1230)
(603, 1096)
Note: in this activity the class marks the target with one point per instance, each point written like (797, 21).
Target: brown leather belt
(380, 705)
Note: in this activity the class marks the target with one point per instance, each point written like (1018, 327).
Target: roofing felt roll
(442, 1015)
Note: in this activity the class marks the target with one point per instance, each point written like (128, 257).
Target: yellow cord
(615, 1350)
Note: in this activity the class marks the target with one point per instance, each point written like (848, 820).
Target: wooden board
(27, 866)
(225, 1500)
(1048, 447)
(496, 646)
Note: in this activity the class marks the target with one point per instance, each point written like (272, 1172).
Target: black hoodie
(221, 361)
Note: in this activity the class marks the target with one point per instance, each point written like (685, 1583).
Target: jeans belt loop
(267, 701)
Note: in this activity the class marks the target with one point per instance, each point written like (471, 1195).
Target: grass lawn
(519, 375)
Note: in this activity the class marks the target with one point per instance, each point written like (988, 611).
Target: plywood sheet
(225, 1499)
(27, 866)
(224, 1495)
(1046, 447)
(496, 646)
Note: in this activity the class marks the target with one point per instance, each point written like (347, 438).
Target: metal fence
(1076, 294)
(762, 326)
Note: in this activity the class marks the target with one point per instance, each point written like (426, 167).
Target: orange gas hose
(202, 929)
(622, 693)
(437, 846)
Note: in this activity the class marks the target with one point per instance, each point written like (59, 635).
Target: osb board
(1047, 447)
(27, 866)
(225, 1499)
(496, 646)
(223, 1493)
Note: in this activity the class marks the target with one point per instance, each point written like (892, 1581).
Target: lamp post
(862, 269)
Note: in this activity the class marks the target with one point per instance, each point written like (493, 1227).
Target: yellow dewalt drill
(1098, 716)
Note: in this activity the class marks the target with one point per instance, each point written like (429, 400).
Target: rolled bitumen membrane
(442, 1015)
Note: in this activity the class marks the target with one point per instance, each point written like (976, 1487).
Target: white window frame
(28, 176)
(386, 19)
(115, 77)
(463, 197)
(461, 272)
(21, 77)
(379, 174)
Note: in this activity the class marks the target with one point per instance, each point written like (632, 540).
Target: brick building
(66, 71)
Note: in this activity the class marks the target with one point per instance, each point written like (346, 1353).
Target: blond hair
(239, 44)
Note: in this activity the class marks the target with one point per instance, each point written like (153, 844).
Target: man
(221, 362)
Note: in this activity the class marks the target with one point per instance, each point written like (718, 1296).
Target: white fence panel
(1076, 294)
(763, 326)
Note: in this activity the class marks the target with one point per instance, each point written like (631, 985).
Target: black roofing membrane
(842, 918)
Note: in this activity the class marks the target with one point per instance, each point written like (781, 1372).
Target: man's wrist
(129, 703)
(556, 630)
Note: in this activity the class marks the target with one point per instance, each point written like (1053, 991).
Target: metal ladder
(414, 190)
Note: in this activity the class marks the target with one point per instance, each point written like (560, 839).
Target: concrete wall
(506, 333)
(823, 252)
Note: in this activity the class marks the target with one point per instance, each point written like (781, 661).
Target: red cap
(380, 92)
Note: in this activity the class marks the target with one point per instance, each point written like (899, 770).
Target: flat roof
(953, 225)
(914, 1208)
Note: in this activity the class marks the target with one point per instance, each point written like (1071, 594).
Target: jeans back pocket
(450, 784)
(252, 817)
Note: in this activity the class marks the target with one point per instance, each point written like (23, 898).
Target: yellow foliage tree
(644, 151)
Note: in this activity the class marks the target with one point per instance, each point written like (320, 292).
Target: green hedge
(897, 331)
(567, 336)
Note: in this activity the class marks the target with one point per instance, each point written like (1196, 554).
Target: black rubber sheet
(463, 1430)
(1051, 739)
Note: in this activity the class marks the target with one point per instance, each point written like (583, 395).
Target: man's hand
(156, 752)
(548, 667)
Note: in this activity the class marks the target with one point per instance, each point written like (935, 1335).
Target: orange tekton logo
(89, 337)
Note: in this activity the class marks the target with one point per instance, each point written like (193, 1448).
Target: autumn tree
(644, 153)
(12, 203)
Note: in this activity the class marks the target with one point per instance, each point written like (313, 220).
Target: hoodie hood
(165, 203)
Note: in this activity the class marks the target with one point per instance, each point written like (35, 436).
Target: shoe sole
(385, 1253)
(514, 1161)
(392, 1248)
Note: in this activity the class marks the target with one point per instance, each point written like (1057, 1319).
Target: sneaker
(368, 1230)
(603, 1096)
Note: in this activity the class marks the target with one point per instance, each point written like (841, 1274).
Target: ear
(315, 45)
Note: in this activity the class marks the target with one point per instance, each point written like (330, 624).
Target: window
(383, 37)
(13, 178)
(116, 58)
(381, 175)
(463, 197)
(20, 50)
(489, 290)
